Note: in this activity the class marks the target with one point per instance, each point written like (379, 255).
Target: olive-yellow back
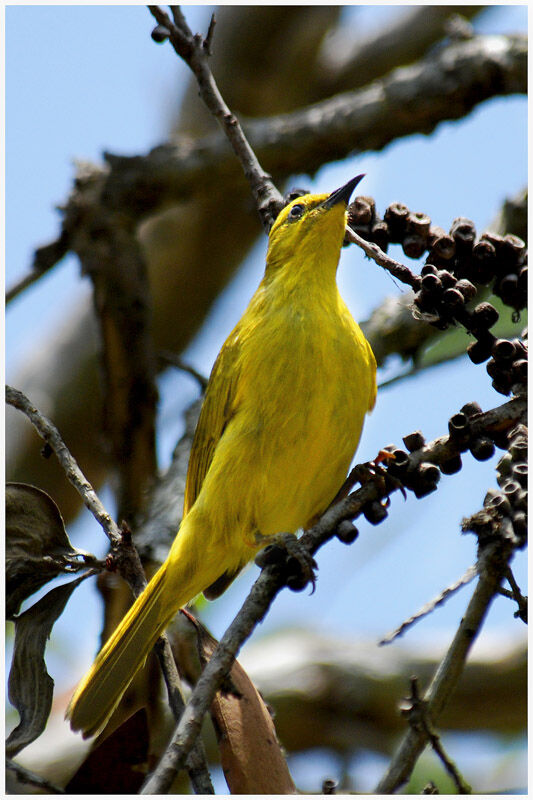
(280, 423)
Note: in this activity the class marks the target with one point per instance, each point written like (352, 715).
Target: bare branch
(469, 575)
(194, 50)
(51, 436)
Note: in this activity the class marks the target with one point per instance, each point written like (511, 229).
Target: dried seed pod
(429, 269)
(479, 351)
(467, 289)
(463, 232)
(380, 235)
(413, 245)
(511, 490)
(518, 449)
(418, 222)
(503, 350)
(431, 283)
(484, 316)
(498, 501)
(520, 524)
(459, 429)
(425, 479)
(414, 441)
(396, 218)
(471, 408)
(447, 279)
(347, 532)
(441, 244)
(519, 473)
(482, 448)
(375, 512)
(513, 249)
(361, 211)
(451, 466)
(160, 34)
(453, 299)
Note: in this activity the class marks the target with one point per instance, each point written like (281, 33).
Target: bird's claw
(287, 551)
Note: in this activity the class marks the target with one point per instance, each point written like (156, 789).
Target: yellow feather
(281, 420)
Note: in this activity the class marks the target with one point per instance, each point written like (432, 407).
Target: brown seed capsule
(431, 283)
(429, 269)
(520, 524)
(453, 298)
(513, 249)
(485, 316)
(441, 244)
(482, 448)
(375, 512)
(511, 490)
(503, 350)
(361, 211)
(467, 289)
(414, 441)
(447, 279)
(478, 352)
(471, 408)
(380, 235)
(413, 245)
(347, 532)
(160, 34)
(459, 427)
(419, 223)
(396, 218)
(451, 466)
(519, 472)
(463, 232)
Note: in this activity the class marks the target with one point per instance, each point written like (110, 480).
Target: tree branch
(271, 580)
(195, 52)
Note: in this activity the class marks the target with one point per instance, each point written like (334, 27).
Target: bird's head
(310, 227)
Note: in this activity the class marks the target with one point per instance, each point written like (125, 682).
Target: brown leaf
(251, 756)
(30, 687)
(118, 764)
(37, 546)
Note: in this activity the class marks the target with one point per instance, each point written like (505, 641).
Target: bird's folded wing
(218, 408)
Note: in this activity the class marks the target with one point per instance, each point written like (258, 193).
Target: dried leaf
(118, 764)
(37, 546)
(30, 687)
(251, 756)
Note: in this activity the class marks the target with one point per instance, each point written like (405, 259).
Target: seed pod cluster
(501, 260)
(421, 478)
(365, 221)
(504, 513)
(511, 474)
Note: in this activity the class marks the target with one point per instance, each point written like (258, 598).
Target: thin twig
(469, 575)
(176, 361)
(492, 566)
(51, 436)
(253, 610)
(416, 712)
(373, 251)
(127, 556)
(194, 50)
(25, 776)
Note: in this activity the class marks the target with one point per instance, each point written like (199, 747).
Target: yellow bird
(281, 420)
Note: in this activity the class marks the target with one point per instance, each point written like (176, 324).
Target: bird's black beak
(343, 194)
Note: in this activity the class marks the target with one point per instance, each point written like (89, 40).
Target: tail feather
(120, 659)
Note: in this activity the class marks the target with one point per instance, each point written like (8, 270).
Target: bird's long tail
(121, 657)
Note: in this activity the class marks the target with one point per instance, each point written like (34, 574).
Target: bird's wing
(218, 408)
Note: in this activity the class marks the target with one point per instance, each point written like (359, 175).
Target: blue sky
(83, 79)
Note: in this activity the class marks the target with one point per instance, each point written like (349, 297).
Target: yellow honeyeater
(281, 420)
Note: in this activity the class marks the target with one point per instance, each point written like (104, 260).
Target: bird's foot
(286, 550)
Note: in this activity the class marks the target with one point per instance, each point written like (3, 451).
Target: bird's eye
(296, 211)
